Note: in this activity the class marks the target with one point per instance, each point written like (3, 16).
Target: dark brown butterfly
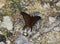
(29, 20)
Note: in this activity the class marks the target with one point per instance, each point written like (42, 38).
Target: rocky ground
(45, 31)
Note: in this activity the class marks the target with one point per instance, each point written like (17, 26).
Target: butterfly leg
(31, 29)
(24, 27)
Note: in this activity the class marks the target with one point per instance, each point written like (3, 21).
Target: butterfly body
(29, 20)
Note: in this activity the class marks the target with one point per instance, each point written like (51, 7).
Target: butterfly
(29, 20)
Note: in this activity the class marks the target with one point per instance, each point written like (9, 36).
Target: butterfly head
(38, 17)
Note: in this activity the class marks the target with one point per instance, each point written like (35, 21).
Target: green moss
(17, 3)
(8, 33)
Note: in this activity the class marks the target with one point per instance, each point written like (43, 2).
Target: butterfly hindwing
(35, 19)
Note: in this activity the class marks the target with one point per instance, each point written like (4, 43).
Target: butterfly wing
(27, 18)
(35, 19)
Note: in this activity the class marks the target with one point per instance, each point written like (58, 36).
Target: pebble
(0, 22)
(38, 25)
(52, 19)
(58, 17)
(54, 1)
(32, 2)
(8, 42)
(22, 40)
(24, 3)
(25, 34)
(7, 23)
(1, 4)
(1, 32)
(51, 26)
(57, 29)
(37, 14)
(46, 6)
(21, 31)
(2, 43)
(36, 35)
(29, 32)
(58, 4)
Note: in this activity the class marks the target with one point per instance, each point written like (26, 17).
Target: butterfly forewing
(27, 18)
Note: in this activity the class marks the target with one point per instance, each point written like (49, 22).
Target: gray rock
(57, 29)
(22, 40)
(52, 19)
(24, 3)
(2, 43)
(36, 14)
(58, 4)
(51, 26)
(7, 23)
(1, 4)
(46, 6)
